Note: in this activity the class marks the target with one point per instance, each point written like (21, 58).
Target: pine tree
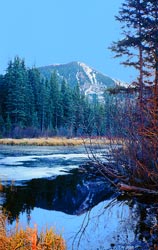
(39, 100)
(16, 80)
(151, 37)
(8, 125)
(88, 117)
(132, 46)
(67, 106)
(109, 113)
(2, 96)
(77, 111)
(35, 84)
(139, 19)
(2, 126)
(55, 103)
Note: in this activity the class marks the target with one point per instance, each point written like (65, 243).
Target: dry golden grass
(28, 239)
(57, 141)
(54, 141)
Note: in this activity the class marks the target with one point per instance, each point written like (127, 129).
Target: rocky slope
(91, 82)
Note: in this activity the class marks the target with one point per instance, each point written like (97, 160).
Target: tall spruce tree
(36, 84)
(16, 80)
(151, 36)
(99, 118)
(42, 105)
(132, 46)
(2, 96)
(55, 102)
(67, 106)
(139, 19)
(2, 105)
(77, 111)
(88, 117)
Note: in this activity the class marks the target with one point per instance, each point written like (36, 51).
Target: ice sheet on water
(16, 160)
(19, 160)
(28, 167)
(23, 166)
(20, 173)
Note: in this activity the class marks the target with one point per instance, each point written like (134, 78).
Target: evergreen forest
(33, 106)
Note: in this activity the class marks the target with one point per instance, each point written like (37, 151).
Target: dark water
(43, 186)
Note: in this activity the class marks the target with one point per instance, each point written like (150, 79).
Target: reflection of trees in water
(121, 223)
(72, 194)
(100, 228)
(78, 236)
(136, 227)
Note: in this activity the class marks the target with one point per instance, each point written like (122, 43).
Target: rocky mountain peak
(91, 82)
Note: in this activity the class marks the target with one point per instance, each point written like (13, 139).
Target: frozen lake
(42, 185)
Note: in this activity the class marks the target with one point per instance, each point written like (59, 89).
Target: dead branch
(127, 188)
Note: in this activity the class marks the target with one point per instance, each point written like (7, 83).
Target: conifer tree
(99, 118)
(132, 47)
(35, 83)
(67, 106)
(55, 102)
(77, 111)
(16, 80)
(151, 37)
(88, 117)
(2, 96)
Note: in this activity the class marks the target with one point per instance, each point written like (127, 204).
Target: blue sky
(45, 32)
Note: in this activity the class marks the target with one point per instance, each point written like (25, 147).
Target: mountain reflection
(72, 194)
(132, 221)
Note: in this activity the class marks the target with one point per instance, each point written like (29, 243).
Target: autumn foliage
(28, 239)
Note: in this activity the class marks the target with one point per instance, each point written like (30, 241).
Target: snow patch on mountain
(89, 72)
(90, 81)
(78, 77)
(121, 83)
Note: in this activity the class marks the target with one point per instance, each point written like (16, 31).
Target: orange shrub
(28, 239)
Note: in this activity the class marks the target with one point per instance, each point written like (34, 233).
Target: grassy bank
(54, 141)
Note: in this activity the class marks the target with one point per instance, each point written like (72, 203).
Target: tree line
(31, 106)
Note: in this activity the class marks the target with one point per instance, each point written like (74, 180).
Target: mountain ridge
(91, 82)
